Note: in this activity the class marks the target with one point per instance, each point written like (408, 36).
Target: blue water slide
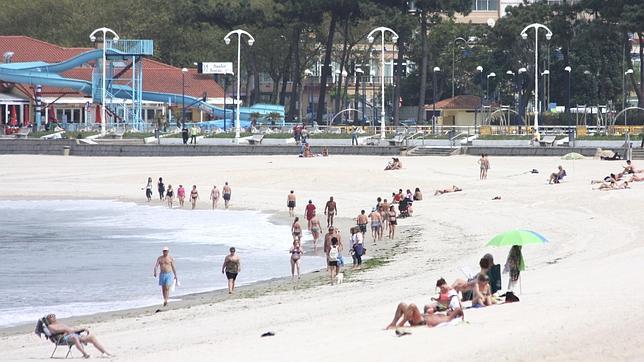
(42, 73)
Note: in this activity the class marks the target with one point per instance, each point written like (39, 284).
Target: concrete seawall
(57, 147)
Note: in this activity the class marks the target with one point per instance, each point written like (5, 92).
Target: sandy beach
(581, 293)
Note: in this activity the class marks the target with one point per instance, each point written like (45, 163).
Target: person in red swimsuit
(309, 213)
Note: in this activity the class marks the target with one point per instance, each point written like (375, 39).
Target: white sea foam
(73, 257)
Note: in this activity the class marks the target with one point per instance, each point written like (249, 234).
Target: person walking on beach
(296, 251)
(161, 188)
(227, 192)
(181, 194)
(330, 210)
(484, 164)
(357, 247)
(74, 336)
(296, 229)
(148, 189)
(392, 221)
(384, 214)
(332, 259)
(214, 196)
(376, 225)
(290, 203)
(194, 195)
(316, 229)
(309, 213)
(169, 196)
(167, 273)
(232, 267)
(362, 220)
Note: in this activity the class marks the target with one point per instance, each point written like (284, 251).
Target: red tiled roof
(157, 76)
(458, 102)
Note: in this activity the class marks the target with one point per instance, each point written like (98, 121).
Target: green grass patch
(603, 137)
(374, 263)
(137, 135)
(505, 137)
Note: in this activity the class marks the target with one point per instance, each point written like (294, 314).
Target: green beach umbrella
(572, 156)
(517, 237)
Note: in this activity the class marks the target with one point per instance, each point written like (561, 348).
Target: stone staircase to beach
(638, 153)
(433, 151)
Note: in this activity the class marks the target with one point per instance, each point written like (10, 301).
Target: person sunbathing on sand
(610, 178)
(394, 164)
(556, 177)
(613, 186)
(482, 295)
(447, 299)
(445, 191)
(411, 314)
(636, 178)
(73, 336)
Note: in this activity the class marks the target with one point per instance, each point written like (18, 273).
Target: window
(485, 5)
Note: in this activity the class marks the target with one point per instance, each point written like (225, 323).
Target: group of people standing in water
(168, 194)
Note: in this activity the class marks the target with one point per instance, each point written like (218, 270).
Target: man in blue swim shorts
(167, 273)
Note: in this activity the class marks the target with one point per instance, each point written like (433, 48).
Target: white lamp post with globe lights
(251, 40)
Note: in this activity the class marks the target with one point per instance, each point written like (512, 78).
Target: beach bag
(511, 298)
(333, 254)
(340, 260)
(359, 249)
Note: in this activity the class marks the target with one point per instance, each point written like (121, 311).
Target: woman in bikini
(181, 193)
(296, 252)
(392, 221)
(148, 189)
(296, 229)
(316, 229)
(194, 195)
(169, 196)
(411, 314)
(214, 196)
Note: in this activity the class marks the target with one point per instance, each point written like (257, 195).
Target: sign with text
(215, 68)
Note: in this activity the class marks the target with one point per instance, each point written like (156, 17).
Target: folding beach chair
(42, 329)
(495, 278)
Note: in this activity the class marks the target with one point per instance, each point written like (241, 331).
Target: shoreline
(251, 290)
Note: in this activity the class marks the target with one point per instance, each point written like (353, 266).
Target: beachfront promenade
(129, 148)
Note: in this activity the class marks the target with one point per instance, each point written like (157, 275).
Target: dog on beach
(339, 278)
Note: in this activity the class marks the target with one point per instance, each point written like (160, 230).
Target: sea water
(82, 257)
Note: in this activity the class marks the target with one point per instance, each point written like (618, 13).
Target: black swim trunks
(363, 228)
(333, 263)
(230, 276)
(291, 204)
(227, 197)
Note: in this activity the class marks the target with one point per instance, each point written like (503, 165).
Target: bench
(255, 139)
(547, 141)
(24, 132)
(397, 140)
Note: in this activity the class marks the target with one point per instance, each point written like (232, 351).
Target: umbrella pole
(520, 287)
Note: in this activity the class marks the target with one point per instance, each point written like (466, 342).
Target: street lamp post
(571, 134)
(435, 70)
(524, 35)
(359, 79)
(92, 37)
(510, 74)
(394, 38)
(183, 97)
(627, 73)
(520, 106)
(251, 40)
(454, 60)
(544, 74)
(480, 70)
(487, 92)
